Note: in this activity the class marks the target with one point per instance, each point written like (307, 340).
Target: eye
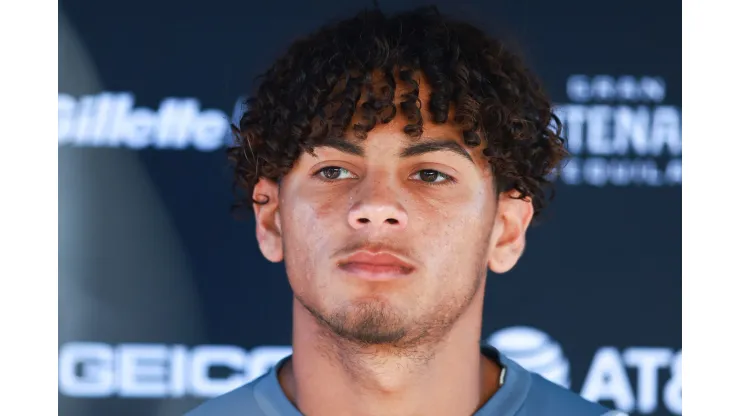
(433, 177)
(332, 173)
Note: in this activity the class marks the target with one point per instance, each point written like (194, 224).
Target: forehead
(392, 134)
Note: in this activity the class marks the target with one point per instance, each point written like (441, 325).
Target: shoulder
(546, 397)
(529, 394)
(236, 402)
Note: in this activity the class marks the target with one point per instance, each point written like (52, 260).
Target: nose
(378, 208)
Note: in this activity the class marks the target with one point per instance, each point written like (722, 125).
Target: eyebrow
(436, 145)
(343, 146)
(414, 149)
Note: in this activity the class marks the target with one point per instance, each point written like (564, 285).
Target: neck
(329, 376)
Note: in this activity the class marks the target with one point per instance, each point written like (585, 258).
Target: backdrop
(164, 298)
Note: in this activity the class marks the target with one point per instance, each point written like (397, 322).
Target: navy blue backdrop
(165, 299)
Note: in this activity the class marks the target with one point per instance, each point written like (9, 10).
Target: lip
(376, 266)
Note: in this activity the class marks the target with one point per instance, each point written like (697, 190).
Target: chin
(372, 336)
(369, 321)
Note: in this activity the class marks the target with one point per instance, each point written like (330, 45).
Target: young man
(391, 161)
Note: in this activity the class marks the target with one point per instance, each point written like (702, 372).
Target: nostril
(392, 221)
(364, 220)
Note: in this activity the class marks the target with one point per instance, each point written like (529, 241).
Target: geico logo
(582, 88)
(110, 119)
(89, 369)
(608, 380)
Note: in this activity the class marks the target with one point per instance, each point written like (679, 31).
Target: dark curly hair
(313, 91)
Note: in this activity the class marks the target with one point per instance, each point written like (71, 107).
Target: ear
(513, 216)
(267, 216)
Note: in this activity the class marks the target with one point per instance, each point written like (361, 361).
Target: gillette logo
(110, 119)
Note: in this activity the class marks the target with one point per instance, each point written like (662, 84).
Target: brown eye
(331, 173)
(433, 177)
(429, 175)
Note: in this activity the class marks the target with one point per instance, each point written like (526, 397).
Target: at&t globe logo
(535, 351)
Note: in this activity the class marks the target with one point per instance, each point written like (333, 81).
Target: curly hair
(313, 91)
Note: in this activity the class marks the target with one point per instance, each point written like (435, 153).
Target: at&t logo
(638, 380)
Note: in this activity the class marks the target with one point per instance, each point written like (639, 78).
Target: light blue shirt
(522, 394)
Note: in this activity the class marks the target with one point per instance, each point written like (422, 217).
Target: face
(387, 240)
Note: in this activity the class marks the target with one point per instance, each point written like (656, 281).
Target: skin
(407, 346)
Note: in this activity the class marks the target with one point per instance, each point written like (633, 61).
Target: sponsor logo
(608, 379)
(110, 119)
(620, 132)
(91, 369)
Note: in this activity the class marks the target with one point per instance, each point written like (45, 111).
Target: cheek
(310, 234)
(456, 209)
(454, 235)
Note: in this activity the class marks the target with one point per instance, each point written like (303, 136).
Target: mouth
(375, 266)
